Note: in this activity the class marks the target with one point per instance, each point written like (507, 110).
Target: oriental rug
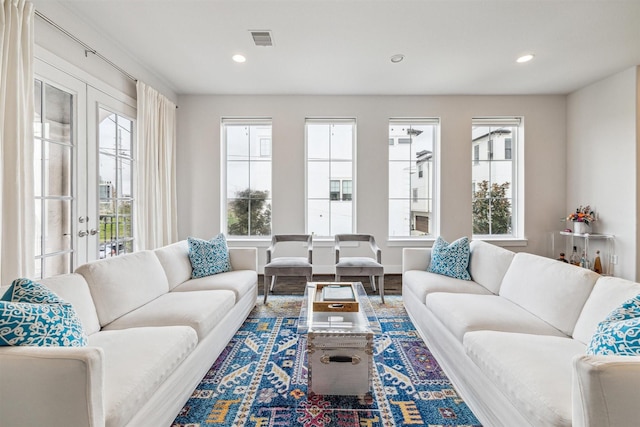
(260, 379)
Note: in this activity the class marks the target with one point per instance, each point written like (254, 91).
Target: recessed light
(239, 58)
(525, 58)
(397, 58)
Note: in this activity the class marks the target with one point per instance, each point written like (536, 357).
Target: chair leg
(381, 287)
(266, 288)
(273, 282)
(372, 279)
(337, 278)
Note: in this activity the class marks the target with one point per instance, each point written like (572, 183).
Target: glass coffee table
(339, 344)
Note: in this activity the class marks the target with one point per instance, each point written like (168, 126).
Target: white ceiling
(344, 46)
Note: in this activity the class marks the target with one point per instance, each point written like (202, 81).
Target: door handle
(82, 233)
(93, 231)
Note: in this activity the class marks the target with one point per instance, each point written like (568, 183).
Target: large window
(330, 177)
(494, 175)
(412, 145)
(247, 145)
(115, 183)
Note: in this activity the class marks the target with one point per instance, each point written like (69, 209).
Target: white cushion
(462, 313)
(488, 264)
(423, 283)
(533, 371)
(240, 282)
(136, 362)
(74, 289)
(175, 261)
(608, 294)
(554, 291)
(121, 284)
(200, 310)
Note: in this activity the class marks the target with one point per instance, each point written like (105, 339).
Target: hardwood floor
(295, 285)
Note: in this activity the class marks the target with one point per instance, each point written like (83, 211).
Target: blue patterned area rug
(260, 379)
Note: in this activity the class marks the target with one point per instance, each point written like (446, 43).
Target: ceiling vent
(262, 37)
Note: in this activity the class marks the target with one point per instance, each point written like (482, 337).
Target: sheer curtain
(17, 210)
(156, 212)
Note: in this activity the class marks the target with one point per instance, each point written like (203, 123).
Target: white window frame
(517, 173)
(434, 220)
(353, 201)
(248, 121)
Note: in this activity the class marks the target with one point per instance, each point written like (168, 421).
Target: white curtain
(156, 212)
(17, 209)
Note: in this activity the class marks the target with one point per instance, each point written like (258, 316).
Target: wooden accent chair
(287, 265)
(360, 266)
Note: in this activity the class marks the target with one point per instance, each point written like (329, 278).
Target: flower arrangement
(582, 214)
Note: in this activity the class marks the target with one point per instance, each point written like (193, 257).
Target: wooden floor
(295, 285)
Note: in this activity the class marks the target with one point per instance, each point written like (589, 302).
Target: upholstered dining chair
(360, 266)
(287, 265)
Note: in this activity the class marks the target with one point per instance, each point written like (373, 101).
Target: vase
(580, 228)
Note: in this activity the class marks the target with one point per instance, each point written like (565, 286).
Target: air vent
(262, 37)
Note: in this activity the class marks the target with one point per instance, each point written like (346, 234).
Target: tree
(491, 209)
(249, 214)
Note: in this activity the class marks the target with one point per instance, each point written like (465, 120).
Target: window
(347, 189)
(115, 185)
(335, 189)
(507, 148)
(411, 176)
(494, 178)
(330, 174)
(247, 192)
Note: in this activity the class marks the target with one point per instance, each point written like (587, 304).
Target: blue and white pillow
(208, 257)
(619, 332)
(32, 315)
(450, 259)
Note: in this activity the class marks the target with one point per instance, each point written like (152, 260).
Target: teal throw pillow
(450, 259)
(619, 332)
(208, 257)
(32, 315)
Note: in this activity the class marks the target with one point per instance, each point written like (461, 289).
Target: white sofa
(513, 339)
(153, 333)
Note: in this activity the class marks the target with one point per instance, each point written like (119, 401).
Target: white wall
(199, 161)
(602, 161)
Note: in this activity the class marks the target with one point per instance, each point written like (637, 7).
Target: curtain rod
(87, 48)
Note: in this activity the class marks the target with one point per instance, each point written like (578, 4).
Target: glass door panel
(113, 149)
(55, 151)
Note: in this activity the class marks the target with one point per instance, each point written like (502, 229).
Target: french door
(78, 130)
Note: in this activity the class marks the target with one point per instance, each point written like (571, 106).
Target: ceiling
(344, 46)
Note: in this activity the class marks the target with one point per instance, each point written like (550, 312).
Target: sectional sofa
(513, 339)
(153, 333)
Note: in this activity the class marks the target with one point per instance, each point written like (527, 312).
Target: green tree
(249, 214)
(491, 209)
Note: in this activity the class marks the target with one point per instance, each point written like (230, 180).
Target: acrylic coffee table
(339, 346)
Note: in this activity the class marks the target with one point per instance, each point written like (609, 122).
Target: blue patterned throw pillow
(619, 332)
(32, 315)
(450, 259)
(208, 256)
